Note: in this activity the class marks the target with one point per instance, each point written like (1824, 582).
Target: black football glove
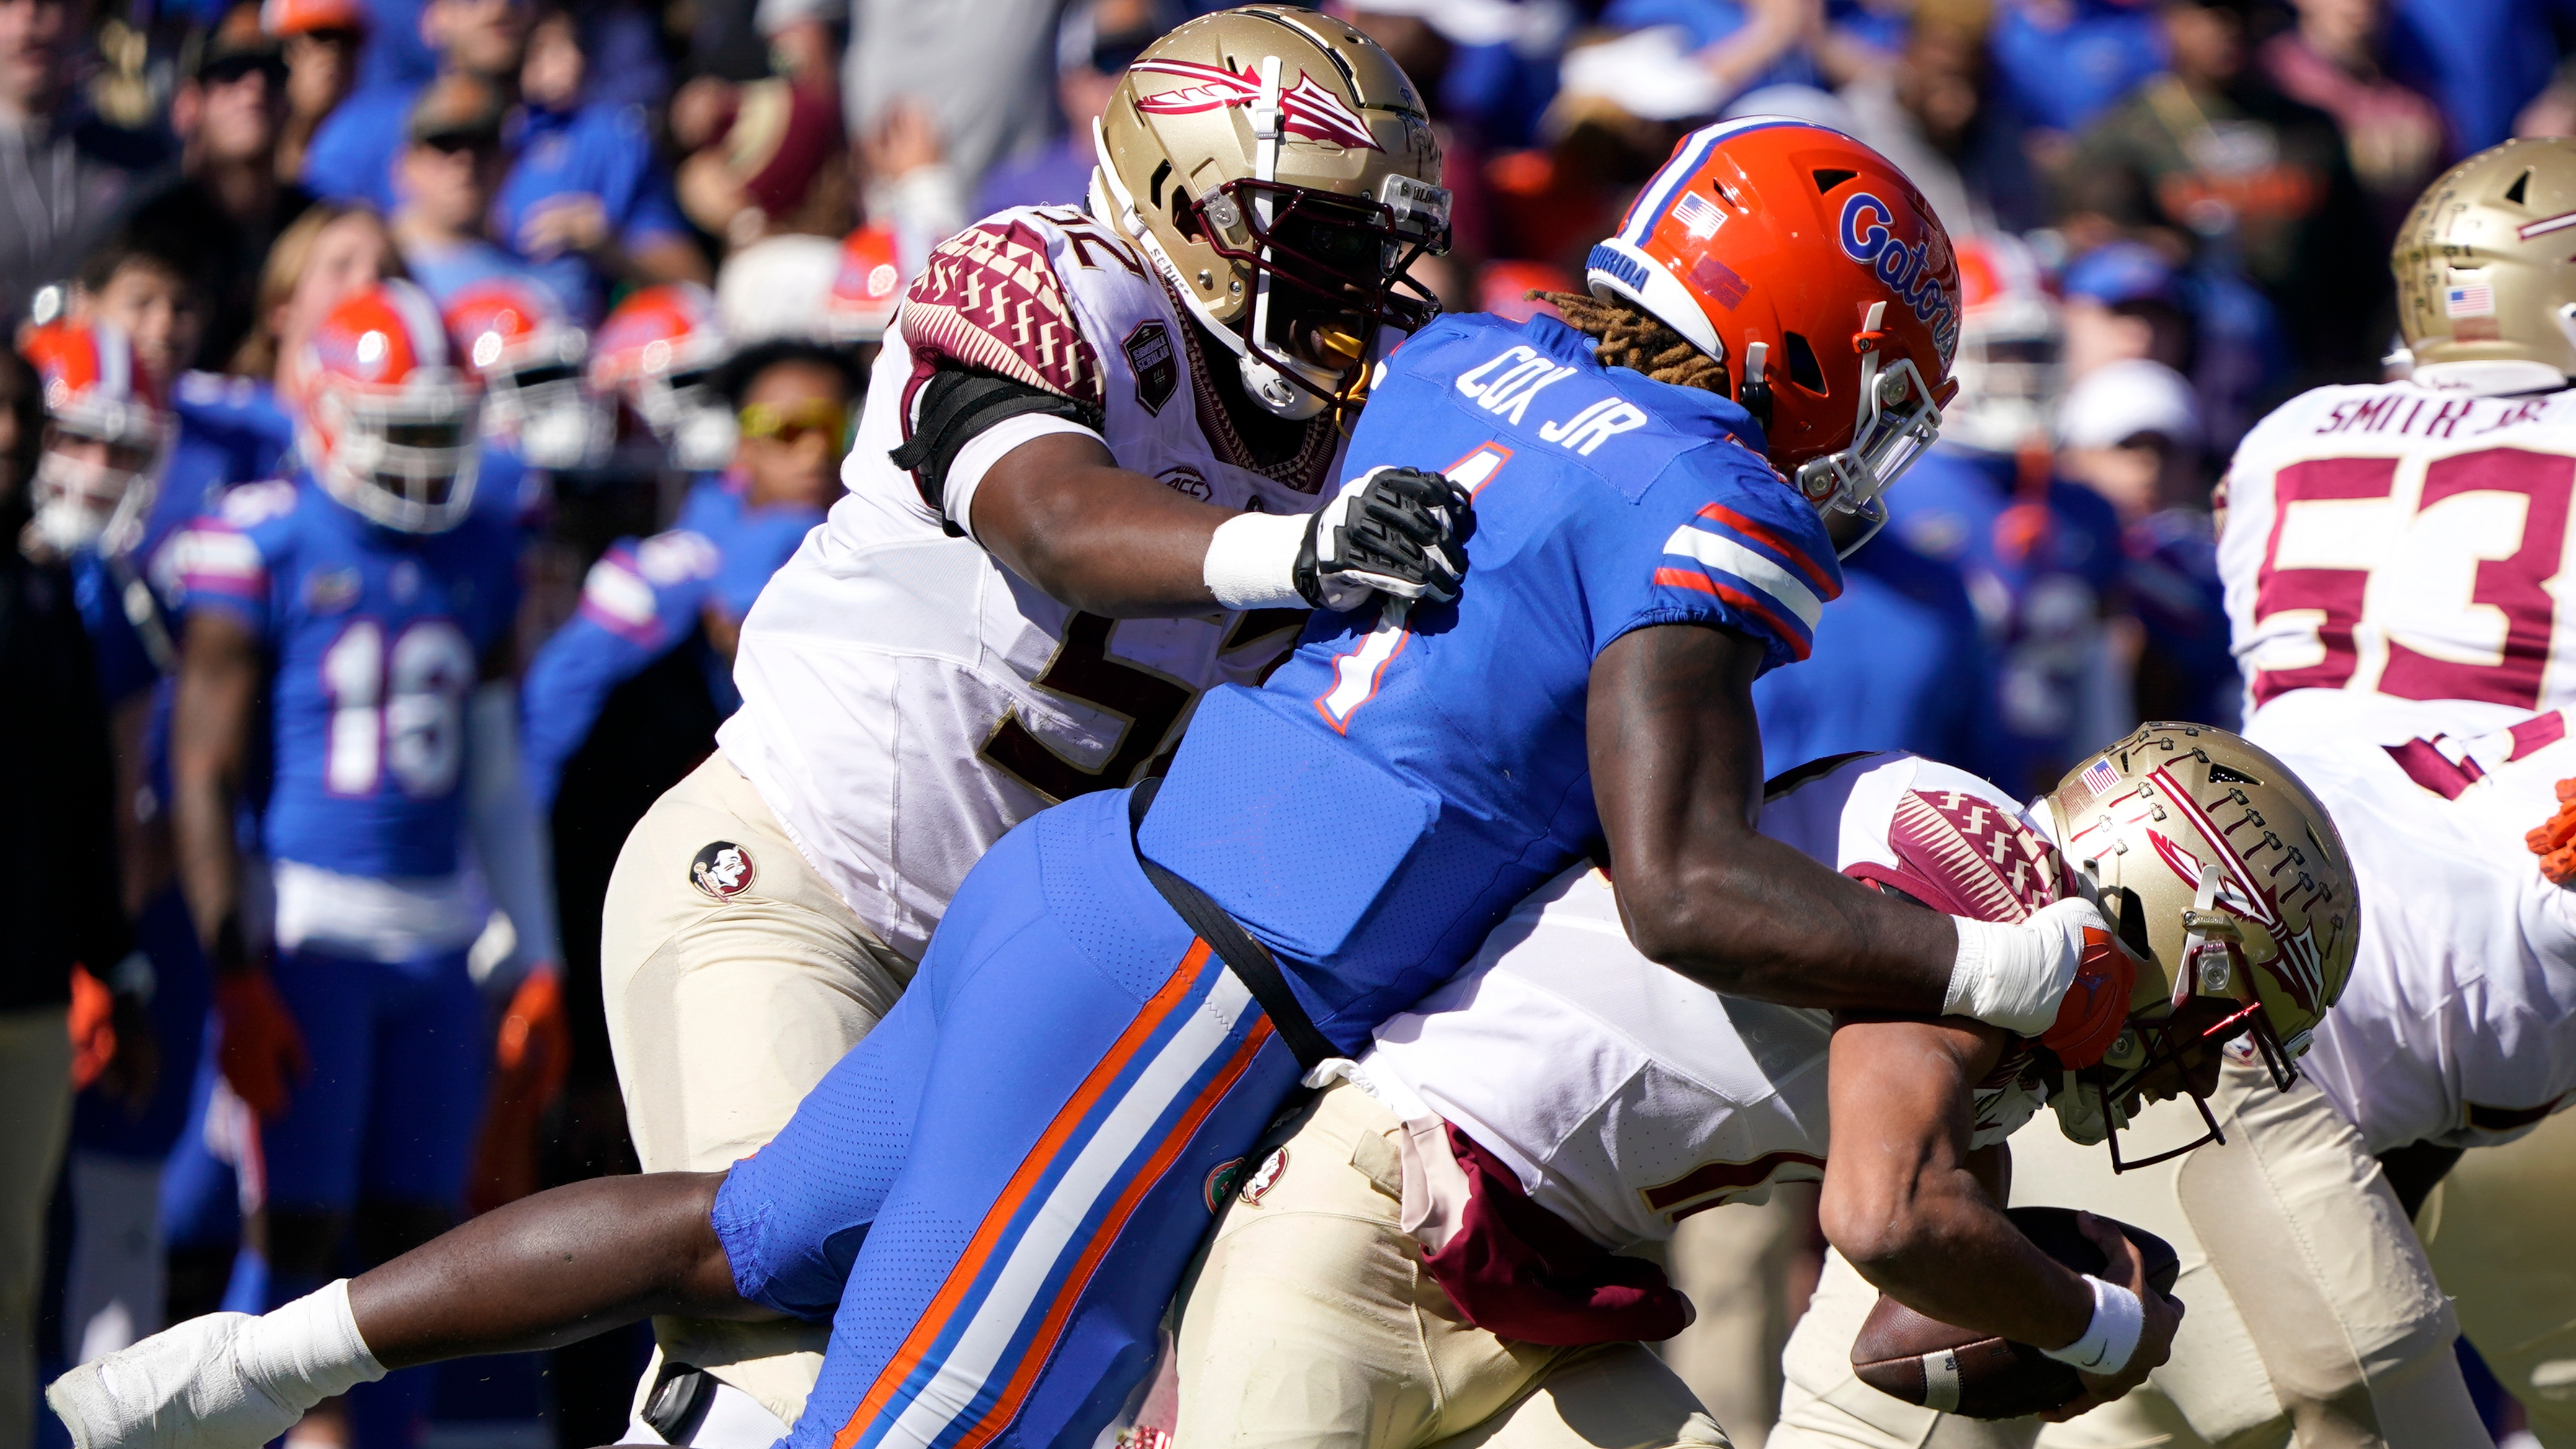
(1400, 532)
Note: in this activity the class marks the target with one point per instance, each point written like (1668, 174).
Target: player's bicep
(1674, 746)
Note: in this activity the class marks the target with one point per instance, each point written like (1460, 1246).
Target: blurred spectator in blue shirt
(1093, 46)
(352, 154)
(2064, 62)
(2482, 60)
(397, 54)
(2129, 300)
(584, 201)
(444, 176)
(321, 40)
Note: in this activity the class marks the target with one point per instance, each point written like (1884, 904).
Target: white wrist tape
(219, 1381)
(2015, 977)
(1252, 561)
(976, 458)
(2111, 1337)
(308, 1350)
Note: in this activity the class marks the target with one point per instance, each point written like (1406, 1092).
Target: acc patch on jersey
(722, 870)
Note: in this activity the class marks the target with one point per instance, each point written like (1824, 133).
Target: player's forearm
(1912, 1207)
(553, 1269)
(1102, 539)
(1751, 917)
(1937, 1244)
(209, 737)
(1676, 757)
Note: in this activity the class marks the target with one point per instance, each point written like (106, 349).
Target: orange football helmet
(282, 18)
(529, 356)
(868, 289)
(106, 433)
(1808, 264)
(2009, 339)
(661, 350)
(390, 424)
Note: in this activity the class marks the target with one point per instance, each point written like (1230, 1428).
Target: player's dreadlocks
(1626, 335)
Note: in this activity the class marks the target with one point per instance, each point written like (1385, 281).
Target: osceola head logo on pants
(722, 870)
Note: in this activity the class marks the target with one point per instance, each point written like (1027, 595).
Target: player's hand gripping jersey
(375, 638)
(906, 699)
(1623, 1096)
(2390, 547)
(1333, 811)
(2459, 1025)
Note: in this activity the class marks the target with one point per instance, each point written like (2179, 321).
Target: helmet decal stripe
(1662, 191)
(1311, 111)
(420, 319)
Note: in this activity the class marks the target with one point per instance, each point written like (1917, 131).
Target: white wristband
(1252, 561)
(2015, 977)
(2111, 1337)
(308, 1350)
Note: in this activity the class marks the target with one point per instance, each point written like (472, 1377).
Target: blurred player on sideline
(2387, 552)
(361, 598)
(108, 436)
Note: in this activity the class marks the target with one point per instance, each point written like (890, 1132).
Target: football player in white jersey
(1114, 428)
(2392, 556)
(1436, 1235)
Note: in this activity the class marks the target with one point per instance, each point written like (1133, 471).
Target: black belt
(1251, 963)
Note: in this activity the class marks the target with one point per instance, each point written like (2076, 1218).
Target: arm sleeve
(1718, 539)
(518, 866)
(639, 602)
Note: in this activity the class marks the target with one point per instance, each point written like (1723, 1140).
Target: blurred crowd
(665, 236)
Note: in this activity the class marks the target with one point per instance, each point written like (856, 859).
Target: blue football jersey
(641, 600)
(1374, 809)
(375, 639)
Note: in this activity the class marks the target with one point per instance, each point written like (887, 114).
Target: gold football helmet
(2225, 878)
(2486, 271)
(1281, 172)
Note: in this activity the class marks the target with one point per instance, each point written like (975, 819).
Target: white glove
(224, 1381)
(2015, 977)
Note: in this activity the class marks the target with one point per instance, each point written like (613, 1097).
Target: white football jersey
(2459, 1023)
(2395, 558)
(906, 700)
(1625, 1097)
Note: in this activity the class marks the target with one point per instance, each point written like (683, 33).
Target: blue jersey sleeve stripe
(1828, 579)
(1796, 639)
(1722, 554)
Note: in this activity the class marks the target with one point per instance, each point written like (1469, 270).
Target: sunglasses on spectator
(457, 142)
(233, 67)
(762, 422)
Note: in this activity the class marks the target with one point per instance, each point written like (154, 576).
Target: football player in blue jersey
(994, 1195)
(107, 438)
(347, 613)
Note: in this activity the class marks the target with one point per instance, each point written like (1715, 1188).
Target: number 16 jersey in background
(374, 641)
(2394, 561)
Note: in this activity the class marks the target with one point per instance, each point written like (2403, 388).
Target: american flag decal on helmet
(1311, 111)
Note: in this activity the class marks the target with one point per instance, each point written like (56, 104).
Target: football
(1925, 1362)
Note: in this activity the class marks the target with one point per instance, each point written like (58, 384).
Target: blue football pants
(995, 1194)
